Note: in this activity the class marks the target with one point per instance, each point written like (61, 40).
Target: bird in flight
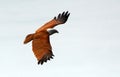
(40, 39)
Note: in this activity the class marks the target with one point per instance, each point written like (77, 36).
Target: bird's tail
(28, 38)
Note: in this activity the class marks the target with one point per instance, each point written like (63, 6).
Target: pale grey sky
(88, 45)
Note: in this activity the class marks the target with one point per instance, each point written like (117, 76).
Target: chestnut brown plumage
(40, 39)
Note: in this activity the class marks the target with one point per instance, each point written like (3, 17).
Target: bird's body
(42, 49)
(40, 39)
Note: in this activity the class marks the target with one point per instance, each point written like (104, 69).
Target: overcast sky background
(88, 45)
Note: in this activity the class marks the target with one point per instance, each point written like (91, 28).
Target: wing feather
(60, 19)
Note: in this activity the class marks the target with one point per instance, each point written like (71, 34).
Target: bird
(41, 46)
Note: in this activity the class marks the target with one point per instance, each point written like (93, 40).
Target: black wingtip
(62, 17)
(45, 58)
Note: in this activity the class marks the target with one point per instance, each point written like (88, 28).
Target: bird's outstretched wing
(60, 19)
(41, 47)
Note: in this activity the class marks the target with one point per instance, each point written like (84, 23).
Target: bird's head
(52, 31)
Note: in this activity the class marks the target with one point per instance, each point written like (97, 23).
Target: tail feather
(28, 38)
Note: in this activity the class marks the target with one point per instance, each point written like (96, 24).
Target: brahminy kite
(40, 39)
